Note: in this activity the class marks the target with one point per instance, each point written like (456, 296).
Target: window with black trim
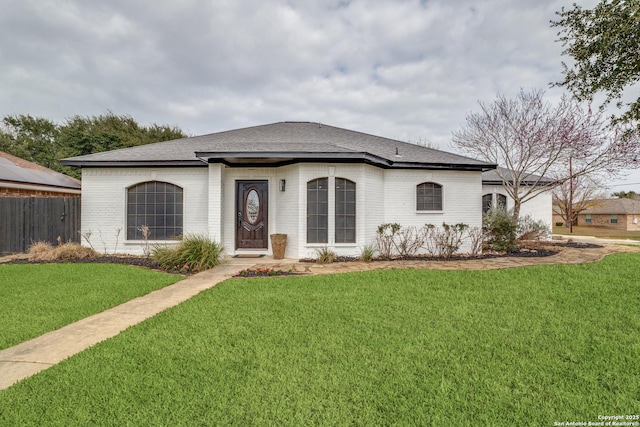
(487, 202)
(317, 210)
(345, 211)
(501, 201)
(429, 196)
(156, 205)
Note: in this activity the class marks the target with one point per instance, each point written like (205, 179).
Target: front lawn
(39, 298)
(525, 346)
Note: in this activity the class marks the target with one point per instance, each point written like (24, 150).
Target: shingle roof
(492, 177)
(17, 170)
(613, 207)
(281, 143)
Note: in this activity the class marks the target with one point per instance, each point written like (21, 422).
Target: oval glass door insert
(252, 206)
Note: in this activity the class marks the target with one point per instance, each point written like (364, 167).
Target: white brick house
(320, 185)
(539, 208)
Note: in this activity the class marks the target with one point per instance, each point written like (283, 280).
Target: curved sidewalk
(35, 355)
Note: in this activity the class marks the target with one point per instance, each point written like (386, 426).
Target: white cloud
(399, 68)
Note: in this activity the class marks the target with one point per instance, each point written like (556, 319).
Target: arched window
(429, 197)
(345, 211)
(501, 201)
(156, 205)
(487, 202)
(317, 210)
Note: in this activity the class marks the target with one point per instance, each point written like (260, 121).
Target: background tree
(587, 190)
(31, 138)
(534, 141)
(44, 142)
(604, 43)
(626, 194)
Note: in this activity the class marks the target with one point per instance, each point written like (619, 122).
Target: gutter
(132, 163)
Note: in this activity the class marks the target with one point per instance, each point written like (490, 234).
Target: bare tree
(423, 142)
(534, 140)
(586, 191)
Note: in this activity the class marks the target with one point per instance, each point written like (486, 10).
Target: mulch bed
(532, 249)
(528, 250)
(106, 259)
(578, 245)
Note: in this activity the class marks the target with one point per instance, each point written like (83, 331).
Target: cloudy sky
(404, 69)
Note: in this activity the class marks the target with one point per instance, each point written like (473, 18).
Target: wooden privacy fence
(26, 220)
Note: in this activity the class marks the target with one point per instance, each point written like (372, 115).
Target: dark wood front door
(252, 211)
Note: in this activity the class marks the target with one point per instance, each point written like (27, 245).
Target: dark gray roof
(492, 178)
(282, 143)
(17, 170)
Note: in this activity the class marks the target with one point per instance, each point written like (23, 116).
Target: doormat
(248, 256)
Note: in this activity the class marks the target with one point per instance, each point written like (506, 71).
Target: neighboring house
(616, 213)
(539, 208)
(21, 178)
(36, 205)
(321, 185)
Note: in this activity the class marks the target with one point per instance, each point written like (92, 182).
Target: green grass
(35, 299)
(526, 346)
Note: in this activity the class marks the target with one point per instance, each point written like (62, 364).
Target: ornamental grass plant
(44, 251)
(192, 253)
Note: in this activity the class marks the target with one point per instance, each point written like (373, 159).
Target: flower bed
(264, 272)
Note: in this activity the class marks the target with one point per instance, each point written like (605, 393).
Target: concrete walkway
(35, 355)
(598, 240)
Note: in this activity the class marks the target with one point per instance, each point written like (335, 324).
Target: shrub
(195, 252)
(385, 236)
(43, 251)
(559, 224)
(530, 229)
(447, 240)
(476, 239)
(500, 230)
(408, 240)
(391, 238)
(325, 255)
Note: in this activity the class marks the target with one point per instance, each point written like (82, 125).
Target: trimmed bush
(195, 252)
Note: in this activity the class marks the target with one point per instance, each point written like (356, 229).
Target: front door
(252, 211)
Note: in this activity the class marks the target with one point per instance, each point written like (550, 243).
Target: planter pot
(278, 245)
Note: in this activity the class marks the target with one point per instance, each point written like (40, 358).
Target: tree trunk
(516, 211)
